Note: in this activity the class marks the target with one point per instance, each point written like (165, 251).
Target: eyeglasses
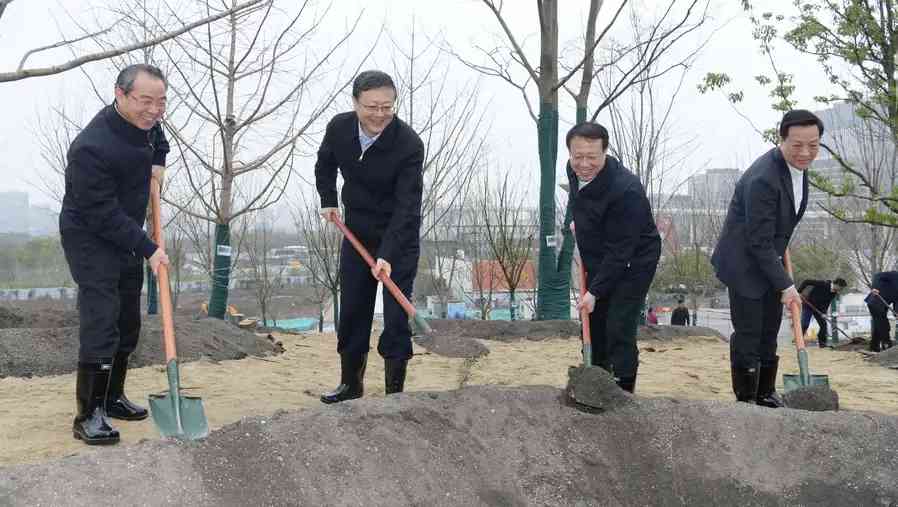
(146, 102)
(374, 108)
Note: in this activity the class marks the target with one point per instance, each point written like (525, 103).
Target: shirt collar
(365, 138)
(796, 173)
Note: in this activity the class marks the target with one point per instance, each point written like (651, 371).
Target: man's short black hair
(370, 80)
(588, 130)
(799, 118)
(680, 301)
(128, 75)
(840, 282)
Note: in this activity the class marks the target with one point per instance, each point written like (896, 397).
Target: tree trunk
(336, 297)
(221, 272)
(511, 304)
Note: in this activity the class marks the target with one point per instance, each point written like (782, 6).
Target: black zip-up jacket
(382, 188)
(760, 221)
(615, 231)
(107, 181)
(679, 317)
(886, 282)
(820, 295)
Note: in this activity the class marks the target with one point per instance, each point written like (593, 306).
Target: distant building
(17, 215)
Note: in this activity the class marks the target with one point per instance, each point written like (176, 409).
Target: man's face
(800, 146)
(587, 157)
(375, 109)
(836, 288)
(144, 105)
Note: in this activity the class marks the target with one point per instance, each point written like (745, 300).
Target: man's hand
(588, 302)
(329, 214)
(158, 258)
(790, 295)
(381, 266)
(159, 173)
(875, 291)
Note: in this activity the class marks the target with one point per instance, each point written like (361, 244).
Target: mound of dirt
(492, 446)
(27, 352)
(38, 314)
(887, 358)
(452, 346)
(9, 318)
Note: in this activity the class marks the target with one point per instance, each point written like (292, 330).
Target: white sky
(721, 137)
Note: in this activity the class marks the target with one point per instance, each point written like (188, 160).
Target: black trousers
(756, 323)
(806, 313)
(613, 325)
(881, 329)
(109, 284)
(358, 292)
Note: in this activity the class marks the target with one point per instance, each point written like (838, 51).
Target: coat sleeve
(628, 212)
(405, 224)
(326, 170)
(760, 216)
(94, 190)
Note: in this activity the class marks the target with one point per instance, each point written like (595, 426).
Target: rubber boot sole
(96, 441)
(128, 418)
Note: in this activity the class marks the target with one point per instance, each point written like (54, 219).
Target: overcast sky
(721, 137)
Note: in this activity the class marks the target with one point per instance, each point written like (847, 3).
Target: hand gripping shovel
(403, 301)
(176, 416)
(584, 318)
(804, 377)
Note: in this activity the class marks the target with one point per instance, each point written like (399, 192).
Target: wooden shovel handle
(386, 280)
(584, 313)
(795, 308)
(168, 325)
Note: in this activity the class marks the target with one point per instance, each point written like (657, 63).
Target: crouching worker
(619, 247)
(107, 187)
(381, 160)
(883, 296)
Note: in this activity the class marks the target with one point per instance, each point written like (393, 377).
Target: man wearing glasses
(381, 160)
(107, 187)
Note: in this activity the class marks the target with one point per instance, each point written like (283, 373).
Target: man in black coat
(680, 314)
(883, 295)
(107, 185)
(816, 296)
(381, 160)
(619, 246)
(768, 202)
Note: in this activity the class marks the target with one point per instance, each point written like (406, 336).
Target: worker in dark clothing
(883, 296)
(768, 202)
(381, 160)
(816, 296)
(680, 315)
(107, 187)
(619, 246)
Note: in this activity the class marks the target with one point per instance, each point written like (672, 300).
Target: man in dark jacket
(680, 315)
(816, 296)
(883, 295)
(107, 184)
(768, 202)
(381, 159)
(619, 246)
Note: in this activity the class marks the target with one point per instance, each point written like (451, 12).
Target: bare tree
(323, 242)
(267, 277)
(509, 232)
(242, 130)
(22, 72)
(550, 76)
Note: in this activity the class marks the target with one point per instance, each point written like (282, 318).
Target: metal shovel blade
(175, 415)
(804, 377)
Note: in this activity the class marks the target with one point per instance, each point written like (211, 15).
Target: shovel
(584, 319)
(175, 415)
(391, 286)
(804, 377)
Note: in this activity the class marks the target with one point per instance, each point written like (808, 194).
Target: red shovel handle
(168, 325)
(386, 280)
(584, 313)
(795, 308)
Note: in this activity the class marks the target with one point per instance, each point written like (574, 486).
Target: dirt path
(35, 414)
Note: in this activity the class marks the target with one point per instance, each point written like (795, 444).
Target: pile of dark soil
(26, 352)
(38, 314)
(452, 346)
(492, 446)
(887, 358)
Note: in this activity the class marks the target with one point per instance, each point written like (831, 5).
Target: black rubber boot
(352, 375)
(767, 395)
(118, 406)
(394, 375)
(627, 383)
(91, 425)
(745, 383)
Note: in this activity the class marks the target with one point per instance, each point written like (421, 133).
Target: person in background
(883, 295)
(816, 296)
(680, 314)
(651, 317)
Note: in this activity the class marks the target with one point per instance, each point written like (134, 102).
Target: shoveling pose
(381, 160)
(768, 202)
(816, 296)
(619, 245)
(883, 294)
(107, 187)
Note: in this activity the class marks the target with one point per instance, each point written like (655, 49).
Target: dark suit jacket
(821, 294)
(382, 188)
(748, 257)
(886, 282)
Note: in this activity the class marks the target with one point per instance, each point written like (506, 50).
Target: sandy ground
(35, 414)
